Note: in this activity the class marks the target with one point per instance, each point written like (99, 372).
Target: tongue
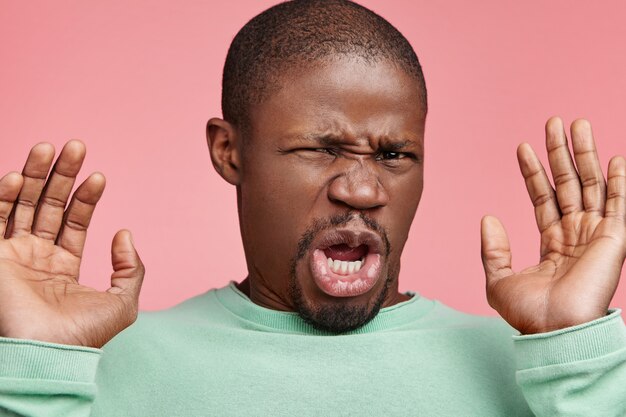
(344, 252)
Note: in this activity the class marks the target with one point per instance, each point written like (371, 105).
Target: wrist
(581, 342)
(561, 322)
(30, 359)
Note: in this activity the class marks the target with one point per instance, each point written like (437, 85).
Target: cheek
(405, 198)
(276, 202)
(281, 192)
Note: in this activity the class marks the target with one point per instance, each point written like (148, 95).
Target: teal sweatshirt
(219, 354)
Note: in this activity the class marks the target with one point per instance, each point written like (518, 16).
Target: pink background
(138, 80)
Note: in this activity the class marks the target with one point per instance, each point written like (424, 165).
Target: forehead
(342, 97)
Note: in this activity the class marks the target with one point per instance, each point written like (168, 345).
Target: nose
(359, 187)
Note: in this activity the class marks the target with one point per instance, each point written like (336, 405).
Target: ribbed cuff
(577, 343)
(29, 359)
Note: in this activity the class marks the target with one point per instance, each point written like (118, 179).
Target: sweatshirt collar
(256, 317)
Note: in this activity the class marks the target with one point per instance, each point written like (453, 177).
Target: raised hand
(583, 237)
(41, 245)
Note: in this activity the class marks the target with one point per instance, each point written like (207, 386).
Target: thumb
(495, 250)
(128, 270)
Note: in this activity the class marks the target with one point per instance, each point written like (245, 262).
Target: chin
(340, 275)
(336, 314)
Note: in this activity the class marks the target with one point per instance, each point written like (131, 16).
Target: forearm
(578, 371)
(43, 379)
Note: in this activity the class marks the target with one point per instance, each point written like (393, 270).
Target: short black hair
(298, 33)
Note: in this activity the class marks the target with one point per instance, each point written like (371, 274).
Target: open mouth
(346, 262)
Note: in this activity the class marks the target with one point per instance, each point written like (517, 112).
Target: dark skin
(285, 178)
(360, 149)
(41, 246)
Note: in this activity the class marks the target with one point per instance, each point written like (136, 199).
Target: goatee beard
(336, 318)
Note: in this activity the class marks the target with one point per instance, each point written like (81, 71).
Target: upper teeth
(344, 267)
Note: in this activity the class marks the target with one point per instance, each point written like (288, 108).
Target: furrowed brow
(330, 140)
(320, 139)
(396, 146)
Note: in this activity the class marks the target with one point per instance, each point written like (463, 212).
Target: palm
(39, 284)
(40, 295)
(583, 242)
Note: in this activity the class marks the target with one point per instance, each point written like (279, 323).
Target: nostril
(364, 192)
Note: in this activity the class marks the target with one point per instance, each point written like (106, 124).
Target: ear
(222, 139)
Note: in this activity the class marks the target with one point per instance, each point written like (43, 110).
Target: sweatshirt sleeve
(577, 371)
(45, 379)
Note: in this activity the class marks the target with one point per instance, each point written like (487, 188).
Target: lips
(357, 264)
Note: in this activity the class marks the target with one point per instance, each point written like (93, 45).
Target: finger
(616, 189)
(10, 186)
(128, 270)
(78, 214)
(495, 250)
(588, 165)
(35, 173)
(51, 205)
(566, 180)
(539, 188)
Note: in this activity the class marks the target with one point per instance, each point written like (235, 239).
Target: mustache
(321, 224)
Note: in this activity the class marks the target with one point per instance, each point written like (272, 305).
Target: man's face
(332, 174)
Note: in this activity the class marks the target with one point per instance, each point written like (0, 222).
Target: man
(324, 108)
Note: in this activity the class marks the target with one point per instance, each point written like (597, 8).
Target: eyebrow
(332, 140)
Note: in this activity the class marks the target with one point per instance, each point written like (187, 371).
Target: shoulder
(153, 329)
(489, 335)
(444, 317)
(449, 317)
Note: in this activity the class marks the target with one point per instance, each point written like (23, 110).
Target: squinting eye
(315, 153)
(391, 155)
(324, 150)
